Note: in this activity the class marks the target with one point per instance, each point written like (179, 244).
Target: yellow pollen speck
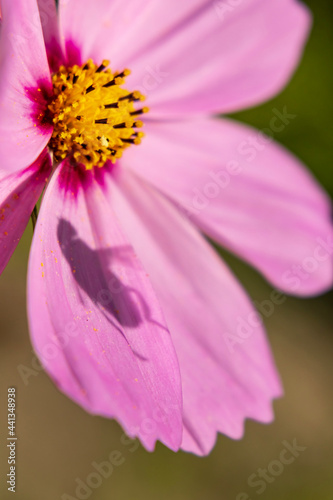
(94, 118)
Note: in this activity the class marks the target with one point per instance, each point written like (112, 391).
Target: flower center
(94, 118)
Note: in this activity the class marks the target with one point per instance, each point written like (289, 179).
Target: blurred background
(58, 441)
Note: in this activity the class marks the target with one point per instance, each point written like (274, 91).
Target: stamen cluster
(94, 118)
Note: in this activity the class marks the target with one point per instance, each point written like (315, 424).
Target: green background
(58, 441)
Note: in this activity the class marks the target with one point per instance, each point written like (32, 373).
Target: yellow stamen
(94, 118)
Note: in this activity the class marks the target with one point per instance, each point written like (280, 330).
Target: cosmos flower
(131, 311)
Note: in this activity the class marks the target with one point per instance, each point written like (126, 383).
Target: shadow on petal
(121, 304)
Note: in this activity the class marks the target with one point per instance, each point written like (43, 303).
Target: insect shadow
(123, 306)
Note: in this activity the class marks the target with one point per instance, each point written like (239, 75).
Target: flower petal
(19, 193)
(94, 319)
(94, 29)
(198, 56)
(226, 366)
(49, 19)
(249, 194)
(25, 85)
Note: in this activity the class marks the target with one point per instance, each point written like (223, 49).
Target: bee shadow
(122, 305)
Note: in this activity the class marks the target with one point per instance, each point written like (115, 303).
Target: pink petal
(226, 366)
(49, 19)
(94, 318)
(25, 85)
(19, 193)
(94, 29)
(250, 195)
(193, 57)
(104, 29)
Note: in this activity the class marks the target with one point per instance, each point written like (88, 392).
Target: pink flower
(131, 311)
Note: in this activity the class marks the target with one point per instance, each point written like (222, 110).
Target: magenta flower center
(94, 118)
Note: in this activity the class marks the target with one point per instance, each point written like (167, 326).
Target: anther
(122, 74)
(102, 66)
(128, 96)
(134, 96)
(113, 105)
(102, 120)
(110, 84)
(120, 125)
(139, 111)
(130, 141)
